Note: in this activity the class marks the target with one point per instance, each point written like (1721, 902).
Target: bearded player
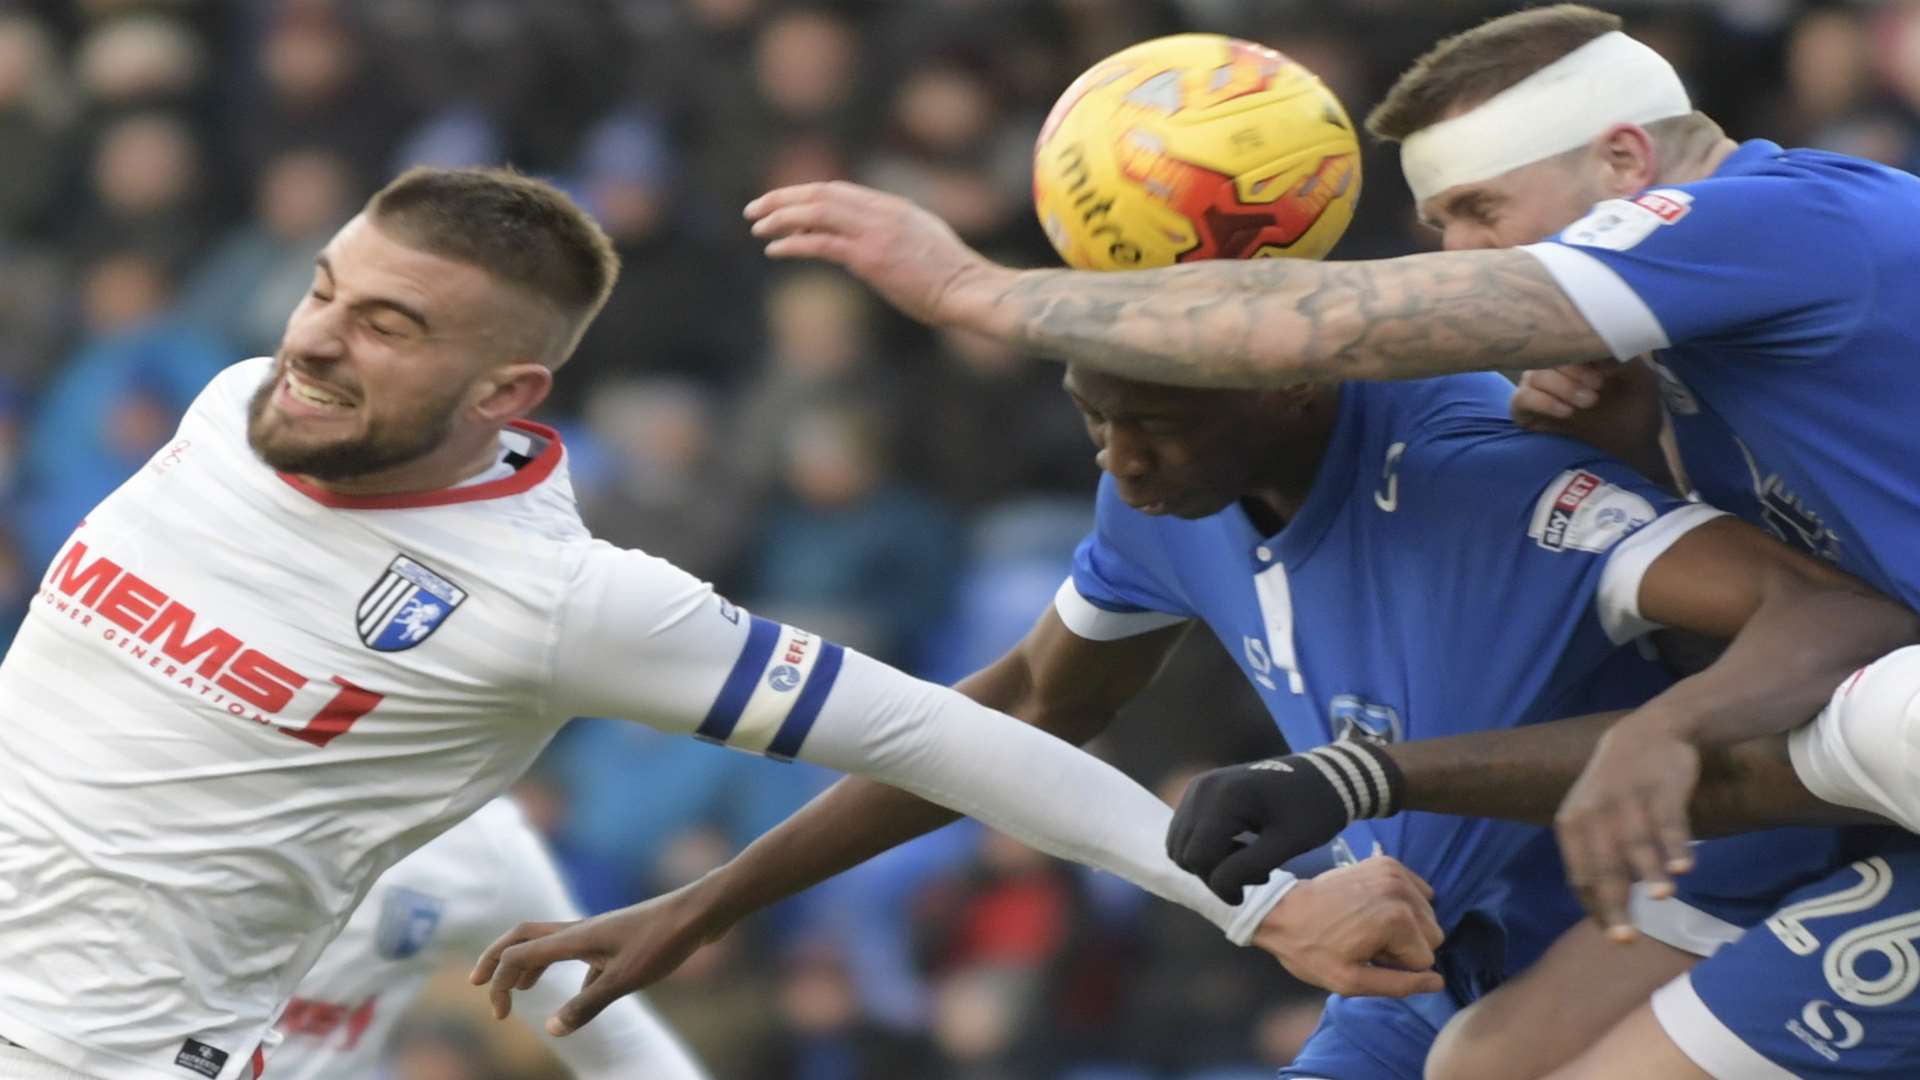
(1774, 287)
(439, 906)
(349, 603)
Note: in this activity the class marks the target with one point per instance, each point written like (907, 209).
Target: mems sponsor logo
(158, 632)
(306, 1018)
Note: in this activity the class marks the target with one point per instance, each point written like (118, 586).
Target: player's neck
(1285, 479)
(1697, 159)
(1271, 506)
(453, 463)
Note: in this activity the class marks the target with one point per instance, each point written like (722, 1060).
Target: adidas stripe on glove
(1236, 824)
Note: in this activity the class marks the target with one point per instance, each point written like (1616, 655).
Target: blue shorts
(1372, 1038)
(1377, 1038)
(1501, 929)
(1739, 881)
(1824, 989)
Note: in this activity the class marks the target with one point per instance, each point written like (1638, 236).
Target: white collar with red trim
(541, 454)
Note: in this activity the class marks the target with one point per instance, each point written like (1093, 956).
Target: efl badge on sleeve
(406, 606)
(407, 922)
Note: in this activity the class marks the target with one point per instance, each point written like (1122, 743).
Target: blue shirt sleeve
(1761, 264)
(1523, 589)
(1123, 567)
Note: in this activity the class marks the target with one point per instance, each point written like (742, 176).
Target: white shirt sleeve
(1863, 750)
(646, 641)
(1094, 623)
(1627, 564)
(627, 1039)
(1609, 304)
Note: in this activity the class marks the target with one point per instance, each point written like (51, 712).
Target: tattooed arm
(1262, 322)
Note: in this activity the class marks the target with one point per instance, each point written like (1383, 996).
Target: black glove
(1290, 805)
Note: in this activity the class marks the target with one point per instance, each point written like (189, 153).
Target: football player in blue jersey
(1589, 212)
(1369, 554)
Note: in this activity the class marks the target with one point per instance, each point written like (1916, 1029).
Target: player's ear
(1629, 158)
(512, 391)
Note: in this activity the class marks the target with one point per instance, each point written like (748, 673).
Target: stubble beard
(384, 446)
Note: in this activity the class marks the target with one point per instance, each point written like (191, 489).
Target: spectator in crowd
(662, 486)
(310, 86)
(139, 60)
(802, 76)
(257, 273)
(821, 349)
(672, 312)
(115, 401)
(845, 551)
(1004, 428)
(147, 178)
(37, 109)
(618, 855)
(948, 148)
(827, 1035)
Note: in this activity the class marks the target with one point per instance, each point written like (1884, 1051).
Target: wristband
(1369, 782)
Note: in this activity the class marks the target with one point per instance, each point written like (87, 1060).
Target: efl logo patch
(198, 1057)
(1581, 512)
(406, 606)
(408, 920)
(786, 675)
(1620, 224)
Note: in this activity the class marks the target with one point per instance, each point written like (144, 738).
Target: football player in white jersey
(348, 604)
(440, 906)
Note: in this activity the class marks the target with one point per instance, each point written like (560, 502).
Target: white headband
(1610, 80)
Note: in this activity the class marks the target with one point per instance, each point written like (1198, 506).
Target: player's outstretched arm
(1525, 774)
(1052, 679)
(1519, 774)
(944, 748)
(629, 1039)
(1625, 790)
(1798, 627)
(1264, 322)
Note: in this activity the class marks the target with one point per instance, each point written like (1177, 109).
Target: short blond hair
(524, 231)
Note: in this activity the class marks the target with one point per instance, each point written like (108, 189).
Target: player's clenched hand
(1625, 820)
(1613, 406)
(1287, 805)
(1548, 396)
(1366, 929)
(904, 252)
(624, 950)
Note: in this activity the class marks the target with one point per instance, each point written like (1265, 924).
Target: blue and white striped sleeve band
(773, 695)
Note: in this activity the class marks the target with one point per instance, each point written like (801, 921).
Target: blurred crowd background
(168, 170)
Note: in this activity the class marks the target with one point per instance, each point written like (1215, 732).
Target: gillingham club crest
(408, 920)
(406, 606)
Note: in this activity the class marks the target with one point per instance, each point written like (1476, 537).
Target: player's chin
(288, 448)
(1195, 507)
(1184, 506)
